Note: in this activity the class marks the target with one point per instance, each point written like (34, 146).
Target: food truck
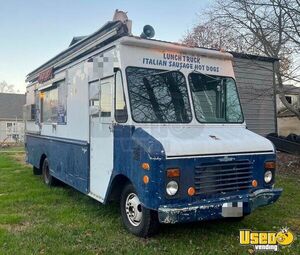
(154, 125)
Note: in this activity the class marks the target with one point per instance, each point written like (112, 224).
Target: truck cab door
(101, 136)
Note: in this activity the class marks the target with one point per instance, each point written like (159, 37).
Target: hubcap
(133, 209)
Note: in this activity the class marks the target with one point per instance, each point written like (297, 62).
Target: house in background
(287, 121)
(255, 79)
(11, 118)
(292, 95)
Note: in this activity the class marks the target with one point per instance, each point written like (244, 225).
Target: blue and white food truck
(157, 126)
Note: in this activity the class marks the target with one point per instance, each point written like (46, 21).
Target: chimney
(122, 16)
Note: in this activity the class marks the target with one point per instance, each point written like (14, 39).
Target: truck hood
(198, 141)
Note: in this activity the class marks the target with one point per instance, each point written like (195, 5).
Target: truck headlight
(268, 176)
(172, 188)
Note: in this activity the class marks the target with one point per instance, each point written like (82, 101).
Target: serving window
(54, 104)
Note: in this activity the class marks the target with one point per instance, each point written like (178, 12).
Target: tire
(48, 179)
(292, 137)
(36, 171)
(137, 219)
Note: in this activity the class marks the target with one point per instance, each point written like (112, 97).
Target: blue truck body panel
(208, 209)
(69, 162)
(68, 159)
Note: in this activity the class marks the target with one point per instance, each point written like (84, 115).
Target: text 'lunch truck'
(157, 126)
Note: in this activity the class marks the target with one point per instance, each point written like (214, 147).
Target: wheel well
(117, 186)
(42, 161)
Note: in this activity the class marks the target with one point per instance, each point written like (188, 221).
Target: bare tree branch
(6, 88)
(265, 27)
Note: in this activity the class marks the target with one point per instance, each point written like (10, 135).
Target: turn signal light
(270, 165)
(146, 179)
(254, 183)
(191, 191)
(173, 172)
(146, 166)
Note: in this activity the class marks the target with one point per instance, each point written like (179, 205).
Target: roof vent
(76, 39)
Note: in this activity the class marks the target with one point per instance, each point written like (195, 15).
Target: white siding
(255, 83)
(11, 131)
(77, 78)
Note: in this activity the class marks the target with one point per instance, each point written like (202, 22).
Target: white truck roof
(117, 32)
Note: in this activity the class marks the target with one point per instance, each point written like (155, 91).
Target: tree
(211, 34)
(6, 88)
(265, 27)
(291, 8)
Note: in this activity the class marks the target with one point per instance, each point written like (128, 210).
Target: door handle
(111, 126)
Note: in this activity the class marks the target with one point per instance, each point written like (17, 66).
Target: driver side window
(121, 115)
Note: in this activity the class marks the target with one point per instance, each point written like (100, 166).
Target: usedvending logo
(266, 240)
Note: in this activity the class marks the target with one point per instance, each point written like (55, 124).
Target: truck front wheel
(139, 220)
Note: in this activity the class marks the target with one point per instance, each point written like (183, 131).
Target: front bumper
(208, 209)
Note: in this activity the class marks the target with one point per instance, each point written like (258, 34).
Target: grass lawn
(35, 219)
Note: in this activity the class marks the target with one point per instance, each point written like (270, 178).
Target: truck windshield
(215, 99)
(158, 96)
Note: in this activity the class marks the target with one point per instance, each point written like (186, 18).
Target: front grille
(215, 178)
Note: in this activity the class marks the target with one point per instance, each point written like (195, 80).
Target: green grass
(35, 219)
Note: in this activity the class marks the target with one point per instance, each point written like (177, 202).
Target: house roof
(253, 57)
(11, 106)
(291, 90)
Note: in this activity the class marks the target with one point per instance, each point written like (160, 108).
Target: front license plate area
(234, 209)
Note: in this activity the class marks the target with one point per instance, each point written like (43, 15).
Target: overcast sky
(33, 31)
